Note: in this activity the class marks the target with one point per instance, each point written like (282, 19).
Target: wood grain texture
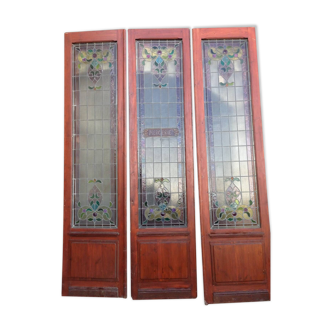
(237, 262)
(94, 260)
(245, 296)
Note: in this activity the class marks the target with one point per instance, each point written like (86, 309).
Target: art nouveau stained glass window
(229, 134)
(94, 112)
(160, 123)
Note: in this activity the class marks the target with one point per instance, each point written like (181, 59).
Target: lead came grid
(229, 134)
(160, 123)
(94, 112)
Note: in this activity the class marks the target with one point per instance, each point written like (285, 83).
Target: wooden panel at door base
(93, 291)
(168, 293)
(245, 296)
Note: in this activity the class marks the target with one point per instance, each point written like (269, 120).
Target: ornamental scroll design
(95, 212)
(160, 57)
(162, 211)
(225, 55)
(233, 211)
(96, 60)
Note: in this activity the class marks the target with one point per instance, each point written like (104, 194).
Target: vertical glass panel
(229, 134)
(161, 143)
(94, 114)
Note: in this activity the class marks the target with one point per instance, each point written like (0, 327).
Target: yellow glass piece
(234, 53)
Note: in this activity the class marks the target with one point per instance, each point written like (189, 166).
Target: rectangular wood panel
(164, 260)
(93, 260)
(149, 261)
(238, 262)
(174, 260)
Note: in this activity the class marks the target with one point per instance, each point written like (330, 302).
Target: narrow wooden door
(231, 168)
(163, 256)
(94, 238)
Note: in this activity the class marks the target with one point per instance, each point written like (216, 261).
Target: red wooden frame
(116, 287)
(235, 292)
(161, 288)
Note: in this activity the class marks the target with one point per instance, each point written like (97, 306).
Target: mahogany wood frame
(109, 239)
(241, 291)
(159, 289)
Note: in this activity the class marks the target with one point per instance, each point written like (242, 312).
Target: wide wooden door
(94, 238)
(163, 257)
(232, 187)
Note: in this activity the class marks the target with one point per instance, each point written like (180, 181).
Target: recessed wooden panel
(93, 260)
(250, 260)
(224, 263)
(238, 262)
(164, 260)
(174, 260)
(149, 260)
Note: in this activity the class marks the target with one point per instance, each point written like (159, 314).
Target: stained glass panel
(94, 84)
(229, 134)
(161, 143)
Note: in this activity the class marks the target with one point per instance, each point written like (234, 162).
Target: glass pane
(229, 134)
(94, 83)
(161, 143)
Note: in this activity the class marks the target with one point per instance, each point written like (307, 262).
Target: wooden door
(232, 187)
(163, 257)
(94, 237)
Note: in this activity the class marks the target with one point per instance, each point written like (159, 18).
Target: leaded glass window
(161, 143)
(229, 134)
(94, 114)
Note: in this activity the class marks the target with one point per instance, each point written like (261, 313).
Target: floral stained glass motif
(162, 211)
(233, 211)
(225, 55)
(95, 60)
(159, 57)
(95, 211)
(160, 127)
(229, 134)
